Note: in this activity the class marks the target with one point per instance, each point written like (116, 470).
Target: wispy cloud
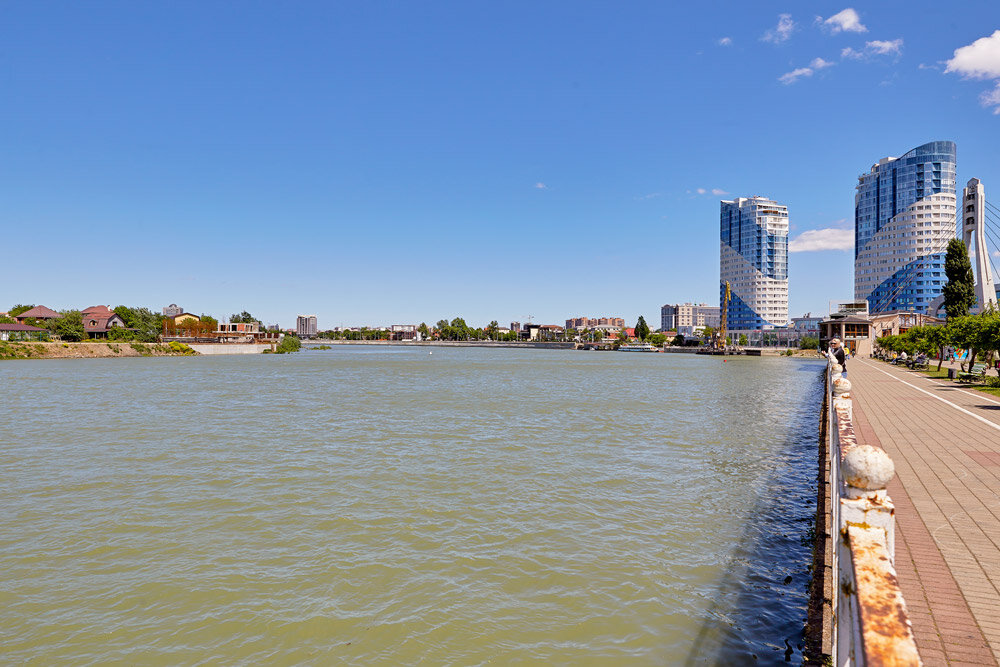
(980, 60)
(701, 191)
(830, 238)
(845, 21)
(725, 41)
(819, 63)
(781, 32)
(789, 78)
(884, 47)
(991, 98)
(719, 191)
(651, 195)
(874, 48)
(541, 186)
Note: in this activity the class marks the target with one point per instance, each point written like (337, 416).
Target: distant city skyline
(461, 160)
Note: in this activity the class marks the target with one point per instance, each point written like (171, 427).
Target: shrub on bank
(180, 348)
(289, 344)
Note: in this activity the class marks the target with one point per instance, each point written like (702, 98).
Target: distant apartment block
(754, 260)
(904, 216)
(173, 310)
(515, 326)
(593, 323)
(305, 326)
(684, 318)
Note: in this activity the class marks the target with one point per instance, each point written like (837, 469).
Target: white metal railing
(870, 622)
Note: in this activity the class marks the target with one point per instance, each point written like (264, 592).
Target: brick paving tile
(947, 506)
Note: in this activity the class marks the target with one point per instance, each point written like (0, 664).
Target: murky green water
(388, 506)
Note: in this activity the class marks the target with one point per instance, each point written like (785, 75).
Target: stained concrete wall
(229, 348)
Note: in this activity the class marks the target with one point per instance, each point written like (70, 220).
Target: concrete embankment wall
(439, 343)
(229, 348)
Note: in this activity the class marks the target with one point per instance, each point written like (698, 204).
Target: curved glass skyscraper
(754, 259)
(904, 216)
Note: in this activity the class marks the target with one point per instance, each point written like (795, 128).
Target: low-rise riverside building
(12, 331)
(404, 332)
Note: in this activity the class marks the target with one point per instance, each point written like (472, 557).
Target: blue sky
(378, 163)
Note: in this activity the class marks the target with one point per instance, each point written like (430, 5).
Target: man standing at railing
(836, 352)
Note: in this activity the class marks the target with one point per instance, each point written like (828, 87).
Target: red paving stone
(947, 505)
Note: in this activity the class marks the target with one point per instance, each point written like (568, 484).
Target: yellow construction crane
(720, 342)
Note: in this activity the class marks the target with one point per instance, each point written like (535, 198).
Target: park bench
(976, 372)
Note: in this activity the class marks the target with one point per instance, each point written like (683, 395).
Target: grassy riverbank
(19, 350)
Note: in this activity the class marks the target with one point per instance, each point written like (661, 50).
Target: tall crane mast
(723, 319)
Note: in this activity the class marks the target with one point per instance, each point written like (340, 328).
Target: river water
(384, 505)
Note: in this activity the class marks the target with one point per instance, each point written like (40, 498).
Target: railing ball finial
(866, 467)
(841, 387)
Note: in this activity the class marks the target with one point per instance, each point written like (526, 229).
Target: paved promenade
(945, 442)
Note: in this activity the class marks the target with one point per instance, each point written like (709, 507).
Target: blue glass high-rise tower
(904, 216)
(753, 257)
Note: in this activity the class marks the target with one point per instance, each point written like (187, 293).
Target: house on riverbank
(40, 313)
(99, 320)
(21, 332)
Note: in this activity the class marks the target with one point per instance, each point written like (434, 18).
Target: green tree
(808, 343)
(145, 324)
(744, 340)
(657, 339)
(18, 309)
(641, 328)
(70, 326)
(288, 344)
(424, 331)
(678, 340)
(243, 317)
(459, 329)
(960, 290)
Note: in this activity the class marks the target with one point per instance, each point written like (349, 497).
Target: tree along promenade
(944, 440)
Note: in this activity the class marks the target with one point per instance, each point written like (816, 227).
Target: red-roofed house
(38, 313)
(98, 320)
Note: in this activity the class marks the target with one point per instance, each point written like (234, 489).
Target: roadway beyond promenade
(945, 442)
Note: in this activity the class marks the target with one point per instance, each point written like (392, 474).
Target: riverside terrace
(945, 443)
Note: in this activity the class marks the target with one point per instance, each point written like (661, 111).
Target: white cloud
(822, 239)
(701, 191)
(725, 41)
(719, 191)
(991, 98)
(885, 48)
(541, 186)
(874, 48)
(979, 60)
(651, 195)
(781, 32)
(845, 21)
(819, 63)
(789, 78)
(996, 253)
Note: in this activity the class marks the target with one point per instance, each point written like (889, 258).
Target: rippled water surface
(370, 505)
